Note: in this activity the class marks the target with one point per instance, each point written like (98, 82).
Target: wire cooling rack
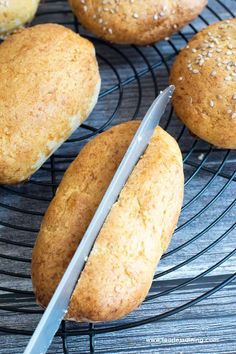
(132, 77)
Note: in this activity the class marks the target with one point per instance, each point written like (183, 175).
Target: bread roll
(204, 74)
(15, 13)
(138, 229)
(135, 22)
(49, 85)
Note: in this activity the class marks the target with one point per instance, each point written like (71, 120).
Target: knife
(57, 307)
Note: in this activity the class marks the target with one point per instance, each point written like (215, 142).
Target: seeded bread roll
(135, 22)
(49, 85)
(15, 13)
(121, 265)
(204, 74)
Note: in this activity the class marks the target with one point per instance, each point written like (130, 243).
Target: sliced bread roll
(138, 229)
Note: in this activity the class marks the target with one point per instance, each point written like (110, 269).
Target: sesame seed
(201, 157)
(155, 17)
(219, 97)
(213, 73)
(195, 71)
(228, 78)
(180, 78)
(234, 96)
(201, 62)
(212, 103)
(233, 115)
(135, 15)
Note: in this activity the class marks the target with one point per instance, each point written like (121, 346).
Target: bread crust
(127, 22)
(120, 268)
(16, 13)
(205, 79)
(49, 85)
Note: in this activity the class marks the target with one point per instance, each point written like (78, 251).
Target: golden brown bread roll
(135, 22)
(49, 85)
(138, 229)
(15, 13)
(204, 74)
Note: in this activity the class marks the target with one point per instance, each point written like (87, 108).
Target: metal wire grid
(37, 193)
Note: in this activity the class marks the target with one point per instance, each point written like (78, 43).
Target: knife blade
(57, 307)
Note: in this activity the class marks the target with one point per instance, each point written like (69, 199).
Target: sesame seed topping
(201, 157)
(233, 115)
(212, 103)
